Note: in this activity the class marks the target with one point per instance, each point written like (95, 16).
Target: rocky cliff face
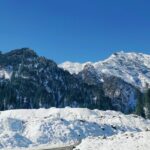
(122, 94)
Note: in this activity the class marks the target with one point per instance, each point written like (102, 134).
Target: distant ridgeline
(30, 81)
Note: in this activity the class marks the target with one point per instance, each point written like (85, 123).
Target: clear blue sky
(75, 30)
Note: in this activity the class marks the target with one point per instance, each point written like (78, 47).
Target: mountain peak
(118, 53)
(23, 51)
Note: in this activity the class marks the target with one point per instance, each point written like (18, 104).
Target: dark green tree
(147, 104)
(140, 105)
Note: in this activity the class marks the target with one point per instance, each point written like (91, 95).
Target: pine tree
(147, 104)
(140, 105)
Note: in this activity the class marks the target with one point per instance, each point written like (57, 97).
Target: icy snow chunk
(15, 124)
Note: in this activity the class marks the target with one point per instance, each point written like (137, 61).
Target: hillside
(30, 81)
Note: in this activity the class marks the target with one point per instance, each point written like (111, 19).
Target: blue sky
(75, 30)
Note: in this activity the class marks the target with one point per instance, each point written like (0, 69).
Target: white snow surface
(126, 141)
(55, 127)
(6, 74)
(132, 67)
(73, 68)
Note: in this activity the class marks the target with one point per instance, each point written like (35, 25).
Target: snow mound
(126, 141)
(65, 126)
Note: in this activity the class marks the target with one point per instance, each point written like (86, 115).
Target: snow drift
(126, 141)
(65, 126)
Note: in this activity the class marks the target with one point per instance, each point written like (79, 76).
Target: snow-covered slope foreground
(126, 141)
(133, 67)
(60, 127)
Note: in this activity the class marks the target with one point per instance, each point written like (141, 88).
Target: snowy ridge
(132, 67)
(56, 127)
(73, 68)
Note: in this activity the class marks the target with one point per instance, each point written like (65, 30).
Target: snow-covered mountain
(30, 81)
(57, 127)
(133, 68)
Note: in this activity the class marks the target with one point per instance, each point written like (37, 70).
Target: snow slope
(59, 127)
(132, 67)
(126, 141)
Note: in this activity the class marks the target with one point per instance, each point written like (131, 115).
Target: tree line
(143, 104)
